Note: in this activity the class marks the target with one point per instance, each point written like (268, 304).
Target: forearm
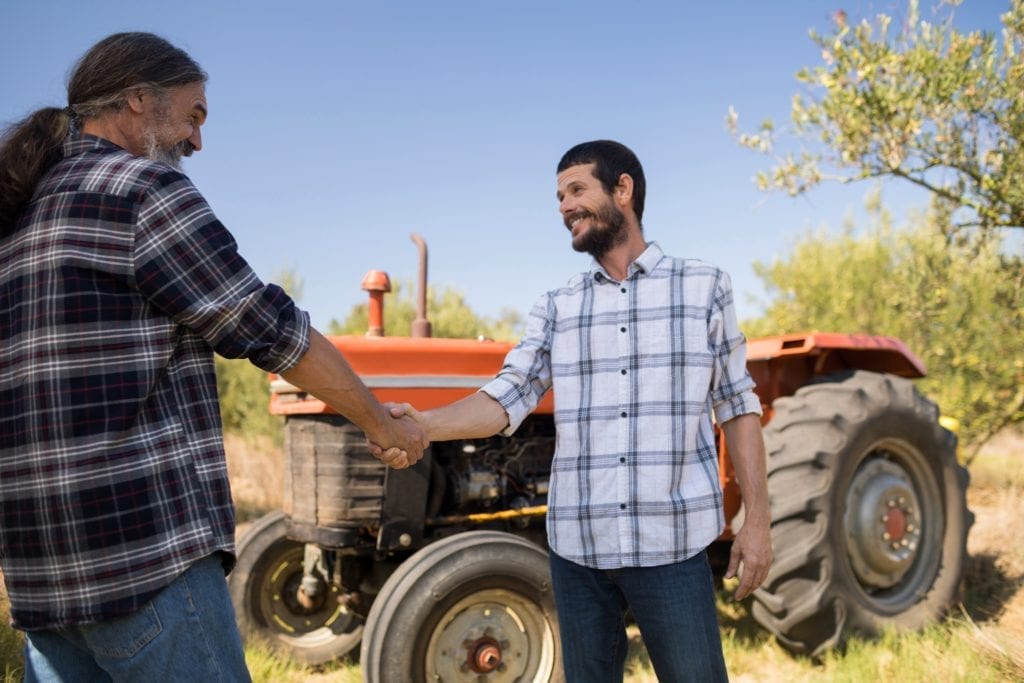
(746, 450)
(324, 373)
(474, 417)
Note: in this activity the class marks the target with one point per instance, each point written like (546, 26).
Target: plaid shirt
(637, 367)
(113, 290)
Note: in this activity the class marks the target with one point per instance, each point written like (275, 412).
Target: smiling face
(591, 215)
(172, 127)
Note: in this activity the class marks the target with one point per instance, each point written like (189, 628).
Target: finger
(401, 409)
(734, 562)
(754, 575)
(391, 455)
(746, 585)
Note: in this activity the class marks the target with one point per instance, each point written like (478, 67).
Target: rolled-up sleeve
(187, 266)
(732, 387)
(525, 375)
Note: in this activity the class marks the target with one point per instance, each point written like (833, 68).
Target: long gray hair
(100, 83)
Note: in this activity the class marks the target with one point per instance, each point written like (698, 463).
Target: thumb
(406, 409)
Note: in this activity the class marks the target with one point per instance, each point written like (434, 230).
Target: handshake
(406, 434)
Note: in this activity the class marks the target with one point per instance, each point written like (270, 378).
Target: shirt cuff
(290, 347)
(509, 397)
(740, 404)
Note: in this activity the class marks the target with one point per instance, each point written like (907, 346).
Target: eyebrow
(572, 184)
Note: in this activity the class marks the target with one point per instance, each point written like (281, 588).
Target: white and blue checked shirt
(637, 368)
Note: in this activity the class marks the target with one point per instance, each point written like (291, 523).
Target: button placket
(626, 351)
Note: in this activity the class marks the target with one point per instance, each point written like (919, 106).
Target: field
(983, 640)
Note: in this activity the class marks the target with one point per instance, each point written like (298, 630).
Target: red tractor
(440, 571)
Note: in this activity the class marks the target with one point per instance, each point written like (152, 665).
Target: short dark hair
(611, 159)
(100, 83)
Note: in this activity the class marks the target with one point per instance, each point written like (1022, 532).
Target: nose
(196, 139)
(565, 206)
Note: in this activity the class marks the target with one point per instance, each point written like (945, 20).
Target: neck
(116, 128)
(618, 259)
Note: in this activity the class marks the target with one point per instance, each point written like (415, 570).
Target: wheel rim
(276, 596)
(492, 635)
(893, 524)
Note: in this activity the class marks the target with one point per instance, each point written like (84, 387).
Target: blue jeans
(186, 633)
(674, 607)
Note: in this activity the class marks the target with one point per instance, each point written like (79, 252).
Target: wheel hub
(491, 635)
(895, 524)
(484, 655)
(883, 527)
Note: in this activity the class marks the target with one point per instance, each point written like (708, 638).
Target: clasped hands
(407, 436)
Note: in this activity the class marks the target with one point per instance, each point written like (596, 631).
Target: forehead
(580, 174)
(189, 97)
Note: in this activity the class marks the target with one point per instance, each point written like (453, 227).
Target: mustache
(579, 213)
(184, 148)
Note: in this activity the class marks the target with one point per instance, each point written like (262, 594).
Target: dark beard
(607, 231)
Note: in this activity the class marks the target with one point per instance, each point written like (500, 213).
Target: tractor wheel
(471, 607)
(265, 588)
(869, 514)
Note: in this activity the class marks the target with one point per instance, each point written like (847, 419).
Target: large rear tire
(471, 607)
(265, 588)
(869, 513)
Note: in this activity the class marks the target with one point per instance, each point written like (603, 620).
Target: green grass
(983, 641)
(957, 650)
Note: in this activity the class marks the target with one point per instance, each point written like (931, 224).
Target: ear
(134, 99)
(623, 191)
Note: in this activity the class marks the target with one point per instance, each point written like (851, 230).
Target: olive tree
(926, 104)
(959, 304)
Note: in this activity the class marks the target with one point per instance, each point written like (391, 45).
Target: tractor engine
(488, 475)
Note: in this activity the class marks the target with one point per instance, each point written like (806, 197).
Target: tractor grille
(331, 480)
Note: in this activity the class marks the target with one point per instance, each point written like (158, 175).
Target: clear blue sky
(338, 128)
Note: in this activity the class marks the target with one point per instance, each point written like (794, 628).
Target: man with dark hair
(641, 350)
(117, 284)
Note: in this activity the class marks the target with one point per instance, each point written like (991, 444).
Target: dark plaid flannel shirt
(115, 289)
(638, 369)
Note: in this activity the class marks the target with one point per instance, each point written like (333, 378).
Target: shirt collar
(644, 263)
(79, 144)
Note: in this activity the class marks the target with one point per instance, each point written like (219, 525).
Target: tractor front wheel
(268, 593)
(472, 607)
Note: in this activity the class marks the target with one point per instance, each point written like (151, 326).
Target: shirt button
(622, 459)
(622, 329)
(623, 413)
(622, 506)
(623, 290)
(622, 371)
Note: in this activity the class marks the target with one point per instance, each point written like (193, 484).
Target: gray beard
(170, 155)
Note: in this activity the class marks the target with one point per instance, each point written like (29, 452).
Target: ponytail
(28, 149)
(103, 75)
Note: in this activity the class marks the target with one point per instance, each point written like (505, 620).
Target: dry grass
(256, 470)
(983, 642)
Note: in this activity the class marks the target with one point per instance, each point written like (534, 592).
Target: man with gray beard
(117, 284)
